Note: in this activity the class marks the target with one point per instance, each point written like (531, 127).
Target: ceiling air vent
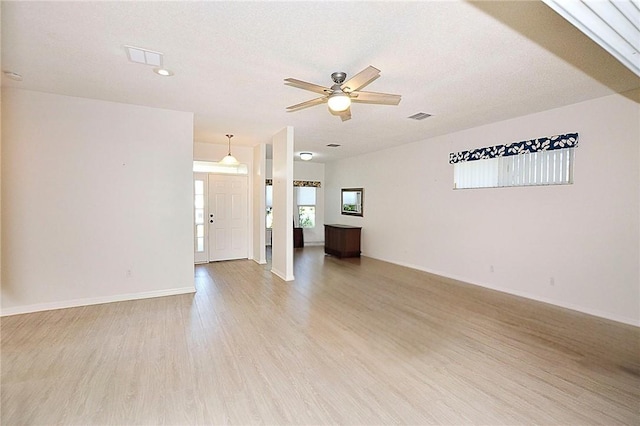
(143, 56)
(419, 116)
(333, 145)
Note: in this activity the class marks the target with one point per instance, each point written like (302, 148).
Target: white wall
(585, 236)
(305, 170)
(98, 201)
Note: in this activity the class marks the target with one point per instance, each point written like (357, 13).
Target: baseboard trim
(39, 307)
(282, 276)
(589, 311)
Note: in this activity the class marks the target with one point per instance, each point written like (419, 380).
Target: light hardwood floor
(352, 341)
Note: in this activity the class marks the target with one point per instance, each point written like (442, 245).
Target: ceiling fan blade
(306, 104)
(375, 98)
(346, 114)
(361, 79)
(307, 86)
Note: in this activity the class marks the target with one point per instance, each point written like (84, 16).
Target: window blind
(536, 168)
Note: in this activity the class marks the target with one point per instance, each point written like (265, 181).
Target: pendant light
(229, 160)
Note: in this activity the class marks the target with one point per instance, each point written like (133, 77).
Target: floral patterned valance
(312, 183)
(570, 140)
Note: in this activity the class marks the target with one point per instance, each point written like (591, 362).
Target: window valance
(569, 140)
(307, 183)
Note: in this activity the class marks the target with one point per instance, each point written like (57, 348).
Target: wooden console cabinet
(298, 238)
(342, 240)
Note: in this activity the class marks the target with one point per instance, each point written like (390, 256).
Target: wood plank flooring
(352, 341)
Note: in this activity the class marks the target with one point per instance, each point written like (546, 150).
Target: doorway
(221, 217)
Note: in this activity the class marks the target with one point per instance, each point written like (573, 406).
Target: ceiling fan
(340, 95)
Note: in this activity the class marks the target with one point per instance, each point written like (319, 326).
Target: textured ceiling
(468, 64)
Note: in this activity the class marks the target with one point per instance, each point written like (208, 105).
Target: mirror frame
(360, 207)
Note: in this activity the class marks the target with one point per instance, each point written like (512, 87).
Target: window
(307, 215)
(198, 194)
(269, 202)
(212, 167)
(538, 168)
(544, 161)
(306, 202)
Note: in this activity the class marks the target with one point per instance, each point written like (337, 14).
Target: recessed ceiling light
(163, 72)
(12, 75)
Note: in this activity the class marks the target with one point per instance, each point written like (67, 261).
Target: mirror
(352, 201)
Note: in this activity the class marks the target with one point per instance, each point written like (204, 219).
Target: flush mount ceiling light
(306, 156)
(229, 160)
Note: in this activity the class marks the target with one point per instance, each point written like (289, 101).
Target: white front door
(227, 217)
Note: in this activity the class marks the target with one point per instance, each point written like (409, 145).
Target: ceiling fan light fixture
(338, 97)
(306, 156)
(229, 160)
(339, 101)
